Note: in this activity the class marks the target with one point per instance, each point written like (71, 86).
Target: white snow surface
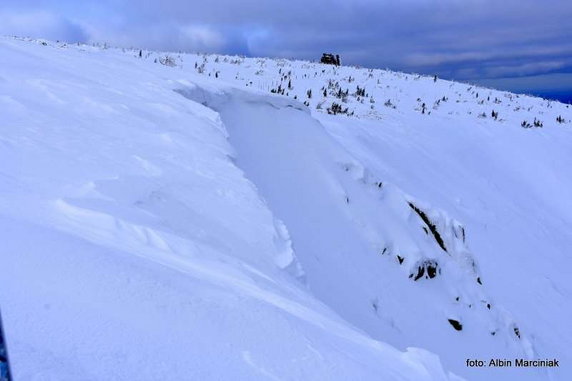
(182, 221)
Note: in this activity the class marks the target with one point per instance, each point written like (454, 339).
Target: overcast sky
(522, 45)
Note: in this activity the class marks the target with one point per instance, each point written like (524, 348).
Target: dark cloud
(41, 24)
(461, 39)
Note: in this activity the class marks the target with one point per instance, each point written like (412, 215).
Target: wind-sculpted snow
(387, 263)
(133, 247)
(181, 216)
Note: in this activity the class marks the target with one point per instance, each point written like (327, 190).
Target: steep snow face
(485, 168)
(133, 247)
(388, 262)
(509, 188)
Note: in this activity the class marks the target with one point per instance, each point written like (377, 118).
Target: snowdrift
(219, 218)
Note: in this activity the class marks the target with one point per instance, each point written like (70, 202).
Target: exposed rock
(428, 268)
(430, 224)
(458, 326)
(420, 272)
(517, 332)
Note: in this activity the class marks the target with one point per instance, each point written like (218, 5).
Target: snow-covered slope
(173, 217)
(133, 247)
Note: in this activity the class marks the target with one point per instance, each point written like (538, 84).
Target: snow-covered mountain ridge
(198, 213)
